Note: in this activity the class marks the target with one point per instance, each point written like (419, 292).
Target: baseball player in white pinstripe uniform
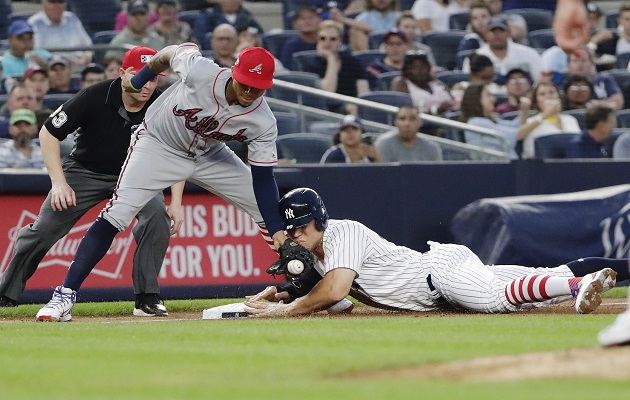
(352, 259)
(182, 138)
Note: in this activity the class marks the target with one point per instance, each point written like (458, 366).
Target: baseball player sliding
(352, 259)
(182, 138)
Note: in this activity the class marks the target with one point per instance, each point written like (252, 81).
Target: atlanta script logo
(206, 126)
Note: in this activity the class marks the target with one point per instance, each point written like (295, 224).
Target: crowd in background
(505, 83)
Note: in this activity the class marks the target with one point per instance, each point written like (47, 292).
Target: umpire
(102, 116)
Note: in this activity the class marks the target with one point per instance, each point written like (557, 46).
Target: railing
(475, 152)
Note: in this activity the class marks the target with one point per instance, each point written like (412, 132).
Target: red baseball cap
(138, 57)
(254, 67)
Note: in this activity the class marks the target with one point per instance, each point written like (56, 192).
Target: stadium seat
(188, 5)
(579, 115)
(552, 146)
(5, 10)
(405, 4)
(383, 97)
(367, 56)
(622, 77)
(53, 101)
(611, 19)
(274, 40)
(541, 39)
(287, 122)
(303, 147)
(206, 43)
(459, 20)
(623, 118)
(449, 78)
(461, 56)
(102, 37)
(20, 16)
(622, 60)
(536, 19)
(188, 16)
(444, 46)
(324, 127)
(96, 15)
(301, 58)
(301, 78)
(375, 40)
(384, 80)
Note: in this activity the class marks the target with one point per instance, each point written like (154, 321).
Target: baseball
(295, 267)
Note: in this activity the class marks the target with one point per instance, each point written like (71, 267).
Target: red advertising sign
(217, 244)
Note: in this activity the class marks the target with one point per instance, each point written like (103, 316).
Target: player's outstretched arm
(62, 195)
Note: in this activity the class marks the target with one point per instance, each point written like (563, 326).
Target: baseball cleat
(590, 288)
(618, 333)
(7, 302)
(149, 305)
(59, 308)
(345, 306)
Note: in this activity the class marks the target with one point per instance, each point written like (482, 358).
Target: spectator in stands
(621, 148)
(379, 15)
(122, 19)
(518, 85)
(224, 12)
(433, 15)
(427, 93)
(355, 28)
(347, 6)
(496, 6)
(21, 52)
(339, 71)
(20, 96)
(21, 151)
(578, 91)
(91, 75)
(478, 109)
(606, 90)
(518, 29)
(60, 76)
(36, 79)
(594, 141)
(479, 17)
(57, 28)
(169, 26)
(482, 71)
(306, 22)
(224, 41)
(353, 146)
(549, 120)
(404, 144)
(505, 54)
(250, 37)
(112, 66)
(406, 23)
(396, 46)
(136, 33)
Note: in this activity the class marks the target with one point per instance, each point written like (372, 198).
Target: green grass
(279, 359)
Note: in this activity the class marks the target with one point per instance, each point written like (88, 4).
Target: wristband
(141, 78)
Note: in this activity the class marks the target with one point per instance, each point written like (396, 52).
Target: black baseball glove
(291, 250)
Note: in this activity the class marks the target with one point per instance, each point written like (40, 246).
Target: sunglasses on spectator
(579, 87)
(330, 38)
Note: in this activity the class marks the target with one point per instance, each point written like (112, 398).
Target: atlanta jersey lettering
(197, 121)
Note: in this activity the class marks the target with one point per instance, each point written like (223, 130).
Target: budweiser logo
(62, 253)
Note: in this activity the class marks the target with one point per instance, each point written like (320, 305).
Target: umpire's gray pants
(34, 240)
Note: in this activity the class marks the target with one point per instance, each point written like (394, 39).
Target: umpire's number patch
(60, 118)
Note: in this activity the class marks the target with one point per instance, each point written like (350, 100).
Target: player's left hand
(126, 79)
(270, 293)
(176, 212)
(267, 309)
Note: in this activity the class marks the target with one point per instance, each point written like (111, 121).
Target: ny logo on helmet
(289, 213)
(257, 69)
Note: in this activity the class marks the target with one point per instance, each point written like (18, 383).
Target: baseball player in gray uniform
(352, 259)
(183, 138)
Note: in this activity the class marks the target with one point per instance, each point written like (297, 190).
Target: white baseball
(295, 267)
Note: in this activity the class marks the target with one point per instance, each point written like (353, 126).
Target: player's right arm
(62, 194)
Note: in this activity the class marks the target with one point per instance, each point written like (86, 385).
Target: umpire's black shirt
(103, 126)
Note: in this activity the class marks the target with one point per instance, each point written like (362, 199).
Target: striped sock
(535, 288)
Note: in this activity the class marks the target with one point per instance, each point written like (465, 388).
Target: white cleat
(345, 306)
(590, 288)
(618, 333)
(59, 308)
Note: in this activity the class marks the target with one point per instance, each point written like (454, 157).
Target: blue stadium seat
(461, 56)
(302, 78)
(552, 146)
(541, 39)
(206, 43)
(367, 56)
(20, 16)
(53, 101)
(383, 97)
(96, 15)
(188, 5)
(611, 19)
(303, 147)
(450, 78)
(536, 19)
(274, 40)
(375, 40)
(5, 10)
(623, 118)
(188, 16)
(300, 58)
(444, 46)
(622, 60)
(102, 37)
(579, 115)
(324, 127)
(405, 4)
(384, 81)
(459, 20)
(287, 122)
(622, 77)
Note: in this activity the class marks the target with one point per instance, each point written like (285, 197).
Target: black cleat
(149, 305)
(7, 302)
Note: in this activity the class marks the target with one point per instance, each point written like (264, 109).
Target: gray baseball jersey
(396, 276)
